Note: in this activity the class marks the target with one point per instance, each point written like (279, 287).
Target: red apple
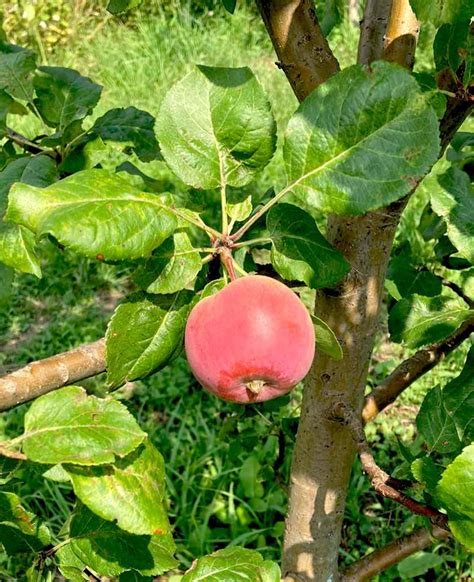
(250, 342)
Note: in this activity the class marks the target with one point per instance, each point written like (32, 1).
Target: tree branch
(411, 369)
(29, 145)
(381, 481)
(302, 49)
(46, 375)
(389, 555)
(389, 32)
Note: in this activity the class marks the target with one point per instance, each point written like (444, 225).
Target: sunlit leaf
(68, 426)
(358, 120)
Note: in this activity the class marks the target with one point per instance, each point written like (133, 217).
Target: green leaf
(330, 165)
(409, 278)
(427, 472)
(215, 127)
(458, 400)
(456, 492)
(452, 46)
(5, 104)
(70, 566)
(418, 321)
(300, 252)
(94, 213)
(17, 244)
(233, 565)
(326, 340)
(131, 492)
(64, 95)
(86, 156)
(20, 530)
(133, 127)
(230, 5)
(435, 425)
(455, 204)
(144, 334)
(16, 73)
(119, 6)
(171, 268)
(109, 551)
(418, 564)
(440, 12)
(68, 426)
(434, 97)
(240, 210)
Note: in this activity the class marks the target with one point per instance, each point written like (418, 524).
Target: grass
(226, 466)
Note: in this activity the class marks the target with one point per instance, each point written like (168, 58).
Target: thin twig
(381, 481)
(391, 554)
(29, 145)
(411, 369)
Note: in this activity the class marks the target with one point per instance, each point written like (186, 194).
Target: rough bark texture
(304, 53)
(46, 375)
(391, 554)
(389, 31)
(411, 369)
(324, 451)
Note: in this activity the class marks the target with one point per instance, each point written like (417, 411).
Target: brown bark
(324, 452)
(389, 32)
(304, 53)
(46, 375)
(411, 369)
(394, 552)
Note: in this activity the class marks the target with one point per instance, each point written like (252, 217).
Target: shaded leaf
(331, 166)
(427, 472)
(230, 5)
(64, 95)
(20, 530)
(436, 425)
(16, 73)
(233, 565)
(299, 251)
(326, 340)
(68, 426)
(215, 126)
(130, 492)
(455, 203)
(131, 126)
(418, 321)
(109, 551)
(453, 46)
(171, 268)
(94, 213)
(144, 334)
(17, 243)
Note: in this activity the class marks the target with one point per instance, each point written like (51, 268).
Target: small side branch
(302, 49)
(381, 481)
(27, 144)
(391, 554)
(411, 369)
(49, 374)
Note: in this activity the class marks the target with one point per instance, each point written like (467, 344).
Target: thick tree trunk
(324, 450)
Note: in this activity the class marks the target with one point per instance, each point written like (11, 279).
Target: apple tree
(362, 145)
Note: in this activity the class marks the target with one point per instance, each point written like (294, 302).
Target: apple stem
(227, 261)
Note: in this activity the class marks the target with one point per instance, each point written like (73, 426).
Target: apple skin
(250, 342)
